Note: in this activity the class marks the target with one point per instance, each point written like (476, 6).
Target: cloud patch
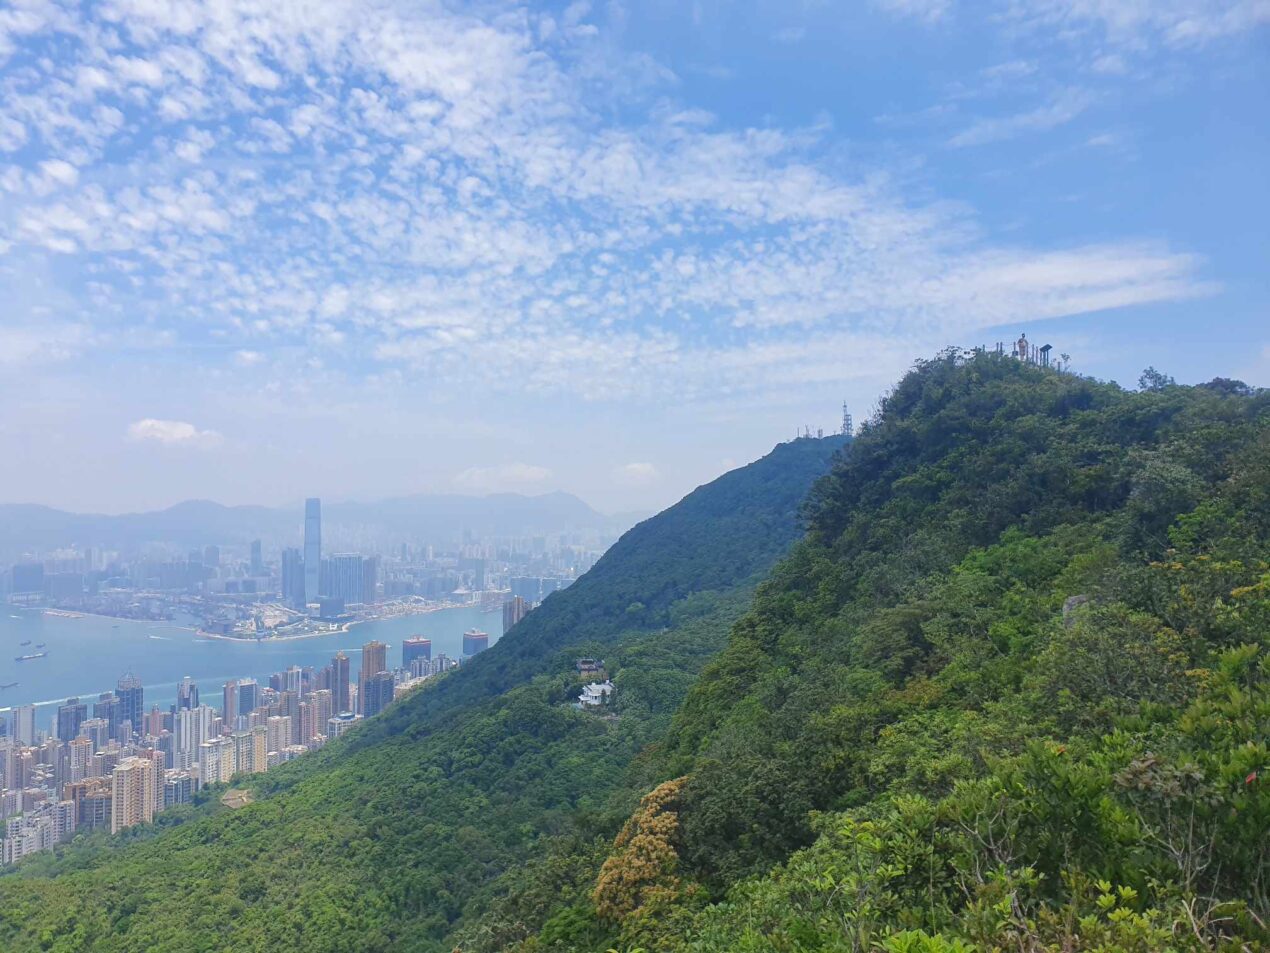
(172, 433)
(501, 478)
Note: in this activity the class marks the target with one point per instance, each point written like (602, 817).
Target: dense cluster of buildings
(109, 763)
(238, 591)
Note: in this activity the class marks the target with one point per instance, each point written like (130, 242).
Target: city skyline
(607, 249)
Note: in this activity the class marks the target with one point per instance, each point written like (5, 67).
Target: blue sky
(255, 251)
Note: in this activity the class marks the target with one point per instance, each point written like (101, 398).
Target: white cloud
(926, 10)
(1061, 110)
(636, 474)
(789, 34)
(245, 358)
(503, 477)
(172, 433)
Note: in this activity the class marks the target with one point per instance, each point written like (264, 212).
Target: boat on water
(9, 685)
(27, 658)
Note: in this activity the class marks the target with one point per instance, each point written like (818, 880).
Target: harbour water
(87, 655)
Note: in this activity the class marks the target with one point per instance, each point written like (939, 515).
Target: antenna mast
(848, 426)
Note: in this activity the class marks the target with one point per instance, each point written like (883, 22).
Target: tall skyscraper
(132, 800)
(415, 647)
(257, 558)
(474, 641)
(312, 547)
(229, 704)
(514, 609)
(370, 580)
(107, 709)
(377, 693)
(346, 578)
(339, 683)
(24, 724)
(131, 700)
(293, 578)
(248, 696)
(186, 694)
(69, 717)
(374, 661)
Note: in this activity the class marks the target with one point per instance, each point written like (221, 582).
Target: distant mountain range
(424, 518)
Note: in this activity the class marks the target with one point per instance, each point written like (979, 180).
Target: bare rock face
(1070, 605)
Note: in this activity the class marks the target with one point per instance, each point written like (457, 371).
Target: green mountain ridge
(390, 837)
(1011, 692)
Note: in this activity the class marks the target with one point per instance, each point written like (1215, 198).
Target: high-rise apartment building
(345, 578)
(107, 708)
(132, 795)
(257, 558)
(79, 757)
(312, 548)
(248, 696)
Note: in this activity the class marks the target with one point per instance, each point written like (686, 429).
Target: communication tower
(848, 425)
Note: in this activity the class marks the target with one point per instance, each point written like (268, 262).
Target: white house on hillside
(596, 695)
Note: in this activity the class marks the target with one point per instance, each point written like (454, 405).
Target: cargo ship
(27, 658)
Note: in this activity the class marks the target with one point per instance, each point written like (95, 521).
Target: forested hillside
(393, 836)
(1012, 692)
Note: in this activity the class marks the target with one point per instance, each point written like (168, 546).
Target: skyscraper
(107, 709)
(186, 694)
(514, 609)
(257, 558)
(293, 578)
(374, 661)
(131, 700)
(248, 696)
(229, 704)
(339, 683)
(69, 717)
(377, 693)
(370, 580)
(132, 800)
(474, 641)
(24, 724)
(415, 647)
(312, 547)
(346, 578)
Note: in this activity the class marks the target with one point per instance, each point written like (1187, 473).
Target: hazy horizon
(253, 253)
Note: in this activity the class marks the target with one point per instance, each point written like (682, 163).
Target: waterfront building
(132, 795)
(312, 548)
(416, 646)
(475, 641)
(293, 578)
(346, 578)
(370, 580)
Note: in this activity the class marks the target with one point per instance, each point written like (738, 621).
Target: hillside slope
(387, 838)
(1011, 692)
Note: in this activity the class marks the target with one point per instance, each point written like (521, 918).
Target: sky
(257, 250)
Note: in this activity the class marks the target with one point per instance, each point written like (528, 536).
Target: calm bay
(86, 655)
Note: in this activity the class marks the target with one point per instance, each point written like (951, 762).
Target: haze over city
(254, 252)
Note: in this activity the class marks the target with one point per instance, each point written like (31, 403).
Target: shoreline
(342, 629)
